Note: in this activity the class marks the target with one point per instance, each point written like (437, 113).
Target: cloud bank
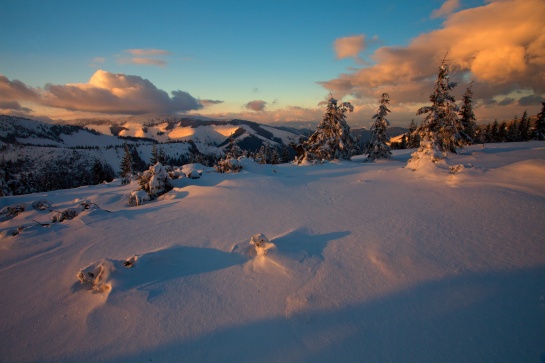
(108, 93)
(501, 46)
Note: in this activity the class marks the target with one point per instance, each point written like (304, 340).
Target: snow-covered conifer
(332, 139)
(378, 147)
(439, 131)
(155, 180)
(467, 118)
(126, 163)
(539, 130)
(441, 124)
(230, 163)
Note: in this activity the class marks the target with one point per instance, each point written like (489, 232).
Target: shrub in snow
(67, 214)
(455, 169)
(41, 205)
(428, 152)
(96, 275)
(155, 181)
(11, 211)
(138, 197)
(261, 244)
(332, 139)
(193, 174)
(228, 165)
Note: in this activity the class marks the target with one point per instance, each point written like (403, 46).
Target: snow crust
(368, 262)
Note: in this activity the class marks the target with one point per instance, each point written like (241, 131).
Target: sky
(267, 61)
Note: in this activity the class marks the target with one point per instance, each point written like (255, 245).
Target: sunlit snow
(365, 262)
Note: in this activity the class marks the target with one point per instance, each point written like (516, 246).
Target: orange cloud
(16, 91)
(349, 47)
(447, 8)
(117, 94)
(500, 45)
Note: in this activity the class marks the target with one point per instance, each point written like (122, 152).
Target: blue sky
(281, 53)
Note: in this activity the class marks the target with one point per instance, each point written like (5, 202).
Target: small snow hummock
(261, 243)
(96, 275)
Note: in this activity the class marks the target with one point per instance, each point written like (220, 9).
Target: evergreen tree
(524, 127)
(234, 150)
(441, 124)
(403, 143)
(127, 163)
(413, 138)
(539, 131)
(502, 132)
(378, 147)
(513, 134)
(332, 138)
(4, 188)
(494, 132)
(468, 122)
(154, 159)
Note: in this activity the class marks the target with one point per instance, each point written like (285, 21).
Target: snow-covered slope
(369, 262)
(31, 132)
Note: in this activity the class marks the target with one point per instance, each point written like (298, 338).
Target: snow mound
(428, 154)
(96, 276)
(261, 243)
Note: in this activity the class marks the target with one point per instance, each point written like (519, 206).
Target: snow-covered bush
(41, 205)
(261, 244)
(428, 152)
(67, 214)
(96, 275)
(11, 211)
(228, 165)
(155, 181)
(138, 197)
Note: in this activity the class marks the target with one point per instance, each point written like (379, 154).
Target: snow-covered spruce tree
(332, 139)
(155, 181)
(230, 163)
(439, 133)
(378, 147)
(468, 122)
(126, 165)
(539, 130)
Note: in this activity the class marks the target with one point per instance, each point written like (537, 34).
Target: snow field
(371, 262)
